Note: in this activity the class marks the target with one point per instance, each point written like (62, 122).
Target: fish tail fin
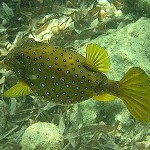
(134, 90)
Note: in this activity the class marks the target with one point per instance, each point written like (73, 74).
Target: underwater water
(119, 33)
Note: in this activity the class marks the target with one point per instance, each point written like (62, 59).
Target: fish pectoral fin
(97, 58)
(20, 89)
(104, 97)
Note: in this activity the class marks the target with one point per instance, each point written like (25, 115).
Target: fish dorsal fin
(97, 58)
(20, 89)
(104, 97)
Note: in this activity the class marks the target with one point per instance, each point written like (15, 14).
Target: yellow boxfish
(64, 76)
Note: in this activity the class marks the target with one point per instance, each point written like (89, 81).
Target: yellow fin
(20, 89)
(134, 90)
(97, 58)
(104, 97)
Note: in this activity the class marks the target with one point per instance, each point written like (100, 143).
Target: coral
(42, 135)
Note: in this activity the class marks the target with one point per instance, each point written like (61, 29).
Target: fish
(64, 76)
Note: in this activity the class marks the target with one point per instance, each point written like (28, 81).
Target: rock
(42, 136)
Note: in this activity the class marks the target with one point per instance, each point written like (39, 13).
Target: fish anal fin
(97, 58)
(20, 89)
(104, 97)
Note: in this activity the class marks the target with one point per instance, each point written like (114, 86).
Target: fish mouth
(12, 59)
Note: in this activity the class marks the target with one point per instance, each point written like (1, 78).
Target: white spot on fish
(61, 101)
(67, 71)
(40, 69)
(82, 97)
(57, 95)
(77, 88)
(56, 83)
(48, 93)
(76, 75)
(52, 77)
(62, 79)
(67, 85)
(43, 85)
(43, 96)
(64, 93)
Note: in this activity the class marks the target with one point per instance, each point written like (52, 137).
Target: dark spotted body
(56, 74)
